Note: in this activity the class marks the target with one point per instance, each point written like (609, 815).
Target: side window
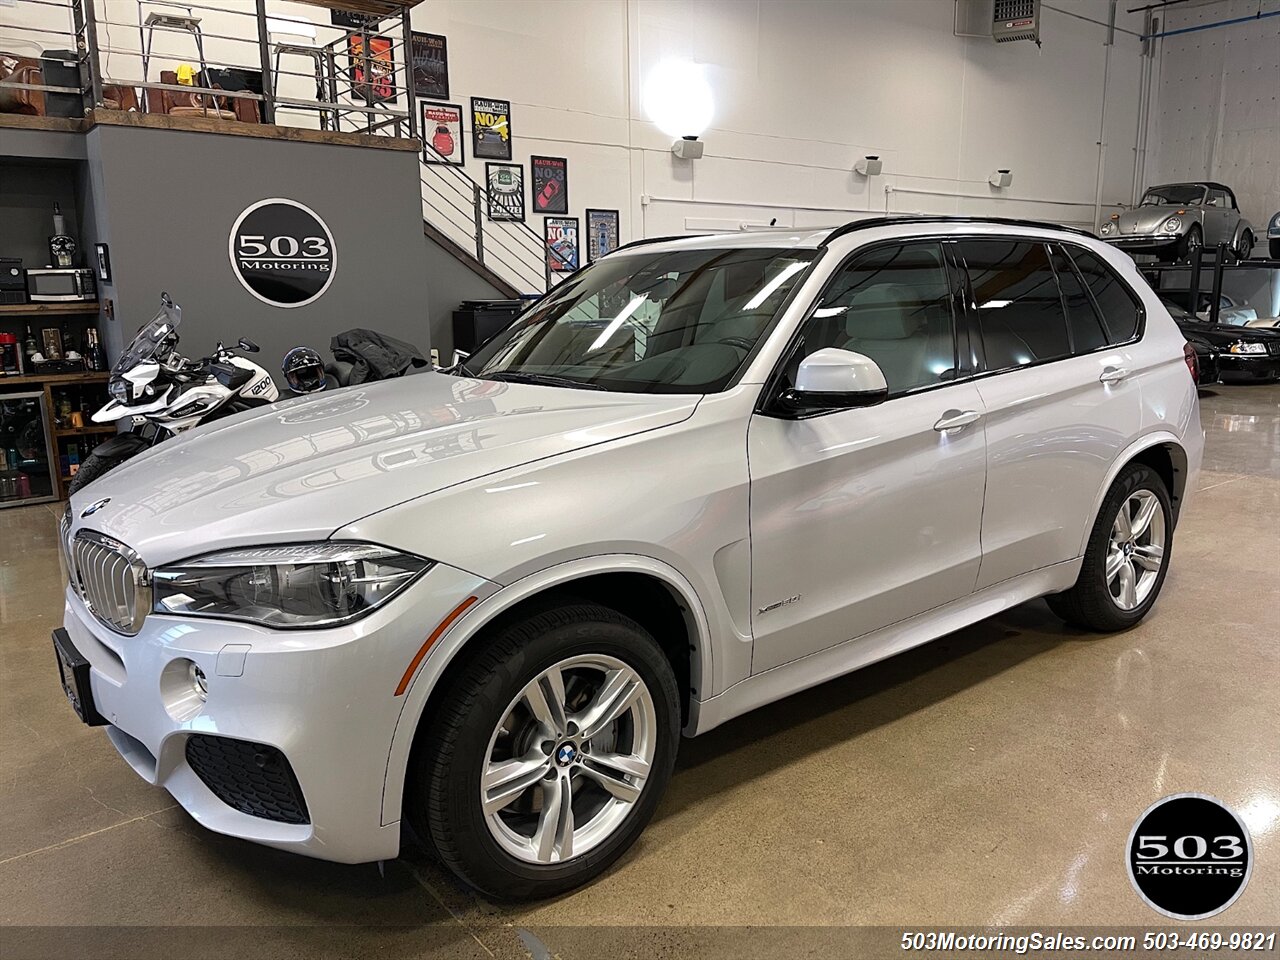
(1020, 312)
(893, 305)
(1087, 333)
(1120, 310)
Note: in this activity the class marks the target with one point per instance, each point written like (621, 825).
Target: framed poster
(550, 176)
(353, 21)
(430, 59)
(104, 262)
(373, 75)
(490, 129)
(442, 133)
(505, 184)
(602, 233)
(561, 236)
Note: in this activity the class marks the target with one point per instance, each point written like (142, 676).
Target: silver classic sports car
(1174, 220)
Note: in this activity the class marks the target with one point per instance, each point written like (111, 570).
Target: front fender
(476, 617)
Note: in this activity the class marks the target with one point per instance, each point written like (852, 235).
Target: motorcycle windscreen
(147, 340)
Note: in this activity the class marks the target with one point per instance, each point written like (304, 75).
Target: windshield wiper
(542, 379)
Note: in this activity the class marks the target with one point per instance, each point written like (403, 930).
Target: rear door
(1060, 399)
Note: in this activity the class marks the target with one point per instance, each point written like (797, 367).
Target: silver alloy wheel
(569, 759)
(1135, 550)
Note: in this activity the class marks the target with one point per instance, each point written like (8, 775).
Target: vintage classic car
(1176, 219)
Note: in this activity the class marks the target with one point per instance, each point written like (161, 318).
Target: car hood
(1221, 335)
(301, 469)
(1148, 219)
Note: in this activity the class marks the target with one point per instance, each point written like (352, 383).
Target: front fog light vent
(254, 778)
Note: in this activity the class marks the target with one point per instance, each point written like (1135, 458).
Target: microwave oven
(50, 284)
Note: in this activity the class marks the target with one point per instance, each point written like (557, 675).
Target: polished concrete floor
(991, 777)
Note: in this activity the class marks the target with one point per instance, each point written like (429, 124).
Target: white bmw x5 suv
(698, 476)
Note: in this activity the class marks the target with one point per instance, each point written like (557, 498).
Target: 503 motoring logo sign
(282, 252)
(1189, 856)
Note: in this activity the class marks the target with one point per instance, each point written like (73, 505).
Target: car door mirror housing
(835, 379)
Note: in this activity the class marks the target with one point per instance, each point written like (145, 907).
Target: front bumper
(1142, 241)
(1244, 368)
(324, 698)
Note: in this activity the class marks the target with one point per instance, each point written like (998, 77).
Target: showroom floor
(991, 777)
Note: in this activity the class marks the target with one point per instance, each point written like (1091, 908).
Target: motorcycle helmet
(304, 370)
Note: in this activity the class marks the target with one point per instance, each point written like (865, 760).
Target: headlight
(1172, 225)
(300, 585)
(1241, 347)
(119, 389)
(1275, 222)
(1108, 228)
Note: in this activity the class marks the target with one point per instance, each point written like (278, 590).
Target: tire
(95, 465)
(1274, 248)
(474, 721)
(1092, 603)
(1245, 250)
(1193, 240)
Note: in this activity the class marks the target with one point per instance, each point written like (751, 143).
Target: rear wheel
(1245, 250)
(1127, 556)
(549, 753)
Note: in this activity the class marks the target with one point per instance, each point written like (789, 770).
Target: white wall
(1217, 115)
(804, 88)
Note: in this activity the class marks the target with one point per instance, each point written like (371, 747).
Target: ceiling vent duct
(1016, 20)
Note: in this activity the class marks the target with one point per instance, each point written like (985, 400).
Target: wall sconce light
(687, 148)
(869, 166)
(678, 99)
(1000, 179)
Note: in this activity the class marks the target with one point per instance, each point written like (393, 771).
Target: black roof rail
(867, 224)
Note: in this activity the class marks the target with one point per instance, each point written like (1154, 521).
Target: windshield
(146, 341)
(1173, 194)
(674, 322)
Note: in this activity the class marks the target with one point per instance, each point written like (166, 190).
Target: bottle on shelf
(29, 347)
(94, 356)
(62, 247)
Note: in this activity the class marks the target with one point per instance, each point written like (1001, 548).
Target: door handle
(1113, 374)
(955, 419)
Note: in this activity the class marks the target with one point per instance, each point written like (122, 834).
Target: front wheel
(117, 450)
(1127, 556)
(1274, 248)
(1186, 247)
(549, 753)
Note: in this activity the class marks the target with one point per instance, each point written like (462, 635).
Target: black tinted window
(1020, 312)
(893, 305)
(1087, 334)
(1119, 309)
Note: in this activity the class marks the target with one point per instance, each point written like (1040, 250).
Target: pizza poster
(490, 129)
(550, 176)
(442, 133)
(561, 235)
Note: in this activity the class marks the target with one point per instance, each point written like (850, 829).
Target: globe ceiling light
(677, 98)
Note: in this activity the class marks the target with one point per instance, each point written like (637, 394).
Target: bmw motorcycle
(164, 393)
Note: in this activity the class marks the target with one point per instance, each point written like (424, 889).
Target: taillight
(1193, 364)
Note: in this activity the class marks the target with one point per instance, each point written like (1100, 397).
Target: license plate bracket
(73, 669)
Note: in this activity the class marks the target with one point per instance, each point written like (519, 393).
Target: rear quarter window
(1120, 309)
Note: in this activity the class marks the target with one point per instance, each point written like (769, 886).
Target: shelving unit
(44, 309)
(91, 388)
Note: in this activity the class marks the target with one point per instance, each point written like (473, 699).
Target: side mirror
(834, 379)
(248, 346)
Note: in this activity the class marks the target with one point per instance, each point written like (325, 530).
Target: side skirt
(789, 678)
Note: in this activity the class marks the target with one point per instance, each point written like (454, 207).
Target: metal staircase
(509, 254)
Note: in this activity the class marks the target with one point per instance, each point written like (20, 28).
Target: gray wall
(451, 283)
(165, 200)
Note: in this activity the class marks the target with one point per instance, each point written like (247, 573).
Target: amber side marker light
(436, 634)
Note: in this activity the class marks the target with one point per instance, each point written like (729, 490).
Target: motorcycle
(165, 393)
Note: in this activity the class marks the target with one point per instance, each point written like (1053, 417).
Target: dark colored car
(1243, 354)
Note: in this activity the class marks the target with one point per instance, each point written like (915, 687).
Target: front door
(864, 517)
